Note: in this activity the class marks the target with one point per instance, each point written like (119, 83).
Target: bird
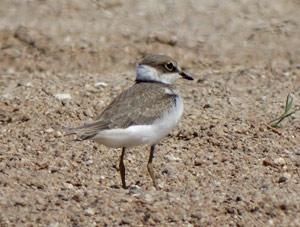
(141, 115)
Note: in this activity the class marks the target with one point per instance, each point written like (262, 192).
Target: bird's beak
(184, 75)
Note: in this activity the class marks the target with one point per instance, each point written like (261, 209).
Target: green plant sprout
(288, 106)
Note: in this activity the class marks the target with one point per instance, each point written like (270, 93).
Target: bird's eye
(169, 66)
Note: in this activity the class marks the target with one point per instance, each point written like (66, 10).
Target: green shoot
(287, 113)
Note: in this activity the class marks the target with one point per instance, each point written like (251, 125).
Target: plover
(143, 114)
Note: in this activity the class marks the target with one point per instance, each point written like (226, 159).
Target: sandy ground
(222, 166)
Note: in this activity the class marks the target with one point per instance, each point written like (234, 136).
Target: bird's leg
(150, 167)
(122, 168)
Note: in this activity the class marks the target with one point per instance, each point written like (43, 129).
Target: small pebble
(58, 134)
(89, 162)
(171, 158)
(76, 198)
(238, 199)
(63, 96)
(126, 221)
(287, 175)
(24, 84)
(68, 186)
(207, 105)
(135, 190)
(215, 162)
(100, 84)
(198, 163)
(89, 212)
(54, 224)
(281, 179)
(90, 88)
(49, 130)
(279, 161)
(165, 171)
(148, 197)
(11, 70)
(286, 74)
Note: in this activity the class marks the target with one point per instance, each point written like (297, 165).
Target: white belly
(142, 134)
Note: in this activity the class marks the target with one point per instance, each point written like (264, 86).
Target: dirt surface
(222, 166)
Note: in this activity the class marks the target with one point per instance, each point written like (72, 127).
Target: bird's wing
(141, 104)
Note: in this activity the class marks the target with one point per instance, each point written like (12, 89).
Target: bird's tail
(79, 131)
(85, 132)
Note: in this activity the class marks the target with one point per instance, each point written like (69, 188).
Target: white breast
(142, 134)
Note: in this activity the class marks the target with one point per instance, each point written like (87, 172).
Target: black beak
(185, 75)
